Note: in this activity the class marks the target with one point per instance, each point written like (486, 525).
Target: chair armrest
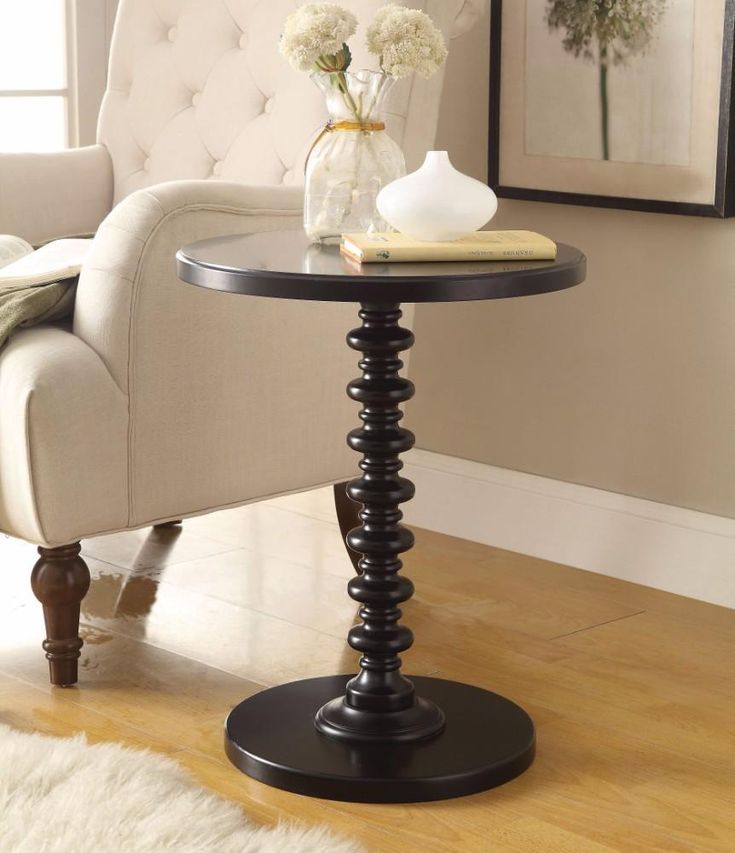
(218, 384)
(64, 428)
(47, 196)
(135, 248)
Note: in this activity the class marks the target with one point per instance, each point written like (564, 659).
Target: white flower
(318, 31)
(406, 40)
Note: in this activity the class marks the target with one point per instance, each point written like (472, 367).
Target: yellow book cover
(480, 246)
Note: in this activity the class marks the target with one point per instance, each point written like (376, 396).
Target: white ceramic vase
(437, 202)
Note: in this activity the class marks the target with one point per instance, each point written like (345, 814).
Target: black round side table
(377, 736)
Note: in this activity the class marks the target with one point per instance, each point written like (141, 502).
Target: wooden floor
(632, 690)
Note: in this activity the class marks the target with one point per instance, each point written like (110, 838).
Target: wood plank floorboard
(632, 689)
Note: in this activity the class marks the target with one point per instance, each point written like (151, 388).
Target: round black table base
(488, 740)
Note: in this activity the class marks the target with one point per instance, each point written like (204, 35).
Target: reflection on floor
(632, 689)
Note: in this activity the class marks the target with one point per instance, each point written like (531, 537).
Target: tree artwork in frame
(614, 103)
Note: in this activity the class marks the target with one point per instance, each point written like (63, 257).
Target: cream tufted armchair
(159, 403)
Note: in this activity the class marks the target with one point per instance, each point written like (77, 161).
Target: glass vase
(352, 159)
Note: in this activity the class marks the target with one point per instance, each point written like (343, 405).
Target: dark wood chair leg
(60, 581)
(165, 525)
(347, 518)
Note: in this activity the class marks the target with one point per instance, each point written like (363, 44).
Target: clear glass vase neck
(355, 96)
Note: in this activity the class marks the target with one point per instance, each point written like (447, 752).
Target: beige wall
(92, 25)
(626, 383)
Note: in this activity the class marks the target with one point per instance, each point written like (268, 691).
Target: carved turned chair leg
(60, 581)
(347, 518)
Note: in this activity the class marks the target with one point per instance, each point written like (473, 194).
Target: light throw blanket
(27, 306)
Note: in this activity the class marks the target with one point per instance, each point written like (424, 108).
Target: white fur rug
(65, 796)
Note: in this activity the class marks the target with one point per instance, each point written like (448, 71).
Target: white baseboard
(679, 550)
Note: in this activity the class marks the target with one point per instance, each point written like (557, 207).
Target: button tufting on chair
(226, 51)
(217, 168)
(147, 163)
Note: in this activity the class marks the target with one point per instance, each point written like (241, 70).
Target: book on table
(480, 246)
(23, 266)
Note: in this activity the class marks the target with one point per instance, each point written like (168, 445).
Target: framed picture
(622, 103)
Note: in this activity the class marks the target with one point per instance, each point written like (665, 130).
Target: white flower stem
(347, 96)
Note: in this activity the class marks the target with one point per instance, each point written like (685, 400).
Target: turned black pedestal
(377, 736)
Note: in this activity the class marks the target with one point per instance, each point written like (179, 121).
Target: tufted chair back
(198, 90)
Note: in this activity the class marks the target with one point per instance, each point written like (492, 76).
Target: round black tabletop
(283, 264)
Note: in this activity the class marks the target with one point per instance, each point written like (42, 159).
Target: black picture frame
(724, 196)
